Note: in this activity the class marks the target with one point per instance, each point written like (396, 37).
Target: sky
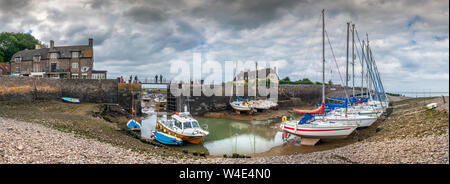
(409, 38)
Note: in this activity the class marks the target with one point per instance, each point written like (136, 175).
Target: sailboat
(355, 116)
(241, 105)
(309, 126)
(364, 114)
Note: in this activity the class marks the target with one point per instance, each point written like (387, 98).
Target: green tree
(10, 43)
(287, 79)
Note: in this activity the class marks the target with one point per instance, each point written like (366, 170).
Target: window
(36, 68)
(37, 58)
(74, 65)
(187, 125)
(75, 54)
(177, 124)
(195, 124)
(17, 69)
(53, 55)
(74, 76)
(17, 59)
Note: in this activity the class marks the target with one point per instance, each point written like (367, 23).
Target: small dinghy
(70, 100)
(134, 125)
(166, 138)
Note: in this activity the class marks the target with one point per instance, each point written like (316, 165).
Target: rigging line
(335, 61)
(308, 50)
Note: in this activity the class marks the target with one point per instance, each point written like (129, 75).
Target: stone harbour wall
(288, 96)
(87, 90)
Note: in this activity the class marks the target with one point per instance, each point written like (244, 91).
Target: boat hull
(190, 139)
(340, 132)
(166, 139)
(70, 100)
(361, 122)
(240, 108)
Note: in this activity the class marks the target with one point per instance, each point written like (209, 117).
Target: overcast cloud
(409, 38)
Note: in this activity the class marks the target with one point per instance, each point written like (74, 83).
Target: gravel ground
(22, 142)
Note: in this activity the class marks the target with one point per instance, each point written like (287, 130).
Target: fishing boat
(134, 125)
(160, 100)
(184, 126)
(166, 138)
(70, 100)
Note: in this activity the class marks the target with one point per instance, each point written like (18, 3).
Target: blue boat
(70, 100)
(133, 125)
(166, 138)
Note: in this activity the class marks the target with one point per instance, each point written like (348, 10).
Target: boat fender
(284, 118)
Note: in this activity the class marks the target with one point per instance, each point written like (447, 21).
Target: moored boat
(166, 138)
(184, 126)
(319, 129)
(241, 106)
(260, 104)
(134, 125)
(70, 100)
(160, 100)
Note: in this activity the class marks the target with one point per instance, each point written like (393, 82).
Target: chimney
(91, 42)
(37, 46)
(52, 44)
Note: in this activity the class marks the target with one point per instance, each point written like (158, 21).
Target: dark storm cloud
(13, 6)
(242, 14)
(145, 14)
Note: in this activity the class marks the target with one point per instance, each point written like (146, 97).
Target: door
(53, 67)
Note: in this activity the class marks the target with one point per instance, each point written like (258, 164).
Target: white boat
(184, 126)
(359, 110)
(359, 120)
(241, 106)
(160, 100)
(319, 129)
(260, 104)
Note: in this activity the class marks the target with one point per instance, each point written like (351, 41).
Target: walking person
(156, 78)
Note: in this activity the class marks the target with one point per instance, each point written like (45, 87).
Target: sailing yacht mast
(353, 60)
(323, 57)
(362, 70)
(346, 68)
(369, 82)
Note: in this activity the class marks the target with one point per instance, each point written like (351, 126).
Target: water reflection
(226, 136)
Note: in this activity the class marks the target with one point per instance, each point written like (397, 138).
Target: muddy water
(257, 138)
(226, 136)
(232, 136)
